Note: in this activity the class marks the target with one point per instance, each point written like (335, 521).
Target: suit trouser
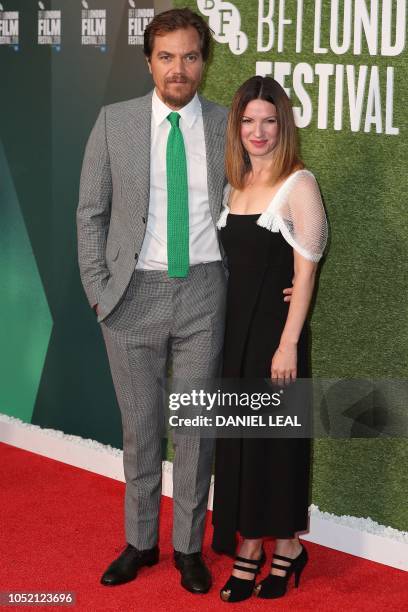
(161, 318)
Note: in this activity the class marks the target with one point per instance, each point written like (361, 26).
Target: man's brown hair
(286, 157)
(177, 19)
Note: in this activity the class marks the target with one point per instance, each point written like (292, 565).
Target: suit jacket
(114, 193)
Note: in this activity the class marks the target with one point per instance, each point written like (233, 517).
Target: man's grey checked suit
(147, 316)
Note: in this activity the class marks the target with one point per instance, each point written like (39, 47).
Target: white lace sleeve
(222, 221)
(302, 219)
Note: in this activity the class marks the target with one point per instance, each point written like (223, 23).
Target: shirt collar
(188, 113)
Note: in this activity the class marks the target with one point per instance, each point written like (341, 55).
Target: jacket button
(136, 255)
(144, 220)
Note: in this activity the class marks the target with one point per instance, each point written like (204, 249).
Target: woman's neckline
(273, 197)
(247, 214)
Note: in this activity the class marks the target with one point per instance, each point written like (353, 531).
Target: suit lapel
(214, 135)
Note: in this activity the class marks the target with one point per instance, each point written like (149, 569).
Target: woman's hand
(284, 362)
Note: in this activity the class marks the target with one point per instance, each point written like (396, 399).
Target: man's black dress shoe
(195, 576)
(125, 567)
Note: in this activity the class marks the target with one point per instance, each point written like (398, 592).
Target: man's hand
(288, 294)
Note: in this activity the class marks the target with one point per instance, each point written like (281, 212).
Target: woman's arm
(304, 226)
(284, 361)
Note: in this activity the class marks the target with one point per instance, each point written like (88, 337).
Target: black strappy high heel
(274, 586)
(238, 589)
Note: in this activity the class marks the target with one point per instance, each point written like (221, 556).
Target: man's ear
(149, 64)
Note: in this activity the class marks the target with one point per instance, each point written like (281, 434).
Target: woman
(273, 229)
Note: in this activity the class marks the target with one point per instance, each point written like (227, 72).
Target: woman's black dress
(261, 485)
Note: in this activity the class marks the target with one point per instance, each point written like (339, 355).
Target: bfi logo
(225, 22)
(138, 20)
(9, 27)
(49, 27)
(93, 27)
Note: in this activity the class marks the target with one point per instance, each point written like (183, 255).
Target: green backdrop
(54, 371)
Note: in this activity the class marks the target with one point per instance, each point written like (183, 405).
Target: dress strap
(222, 221)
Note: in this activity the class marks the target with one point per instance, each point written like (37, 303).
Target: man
(150, 195)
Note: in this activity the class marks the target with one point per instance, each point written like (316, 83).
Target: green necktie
(177, 201)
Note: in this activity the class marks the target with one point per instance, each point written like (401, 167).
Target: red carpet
(61, 526)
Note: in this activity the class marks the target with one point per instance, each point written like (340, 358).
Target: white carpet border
(362, 537)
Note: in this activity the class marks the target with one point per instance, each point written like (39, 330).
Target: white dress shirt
(203, 242)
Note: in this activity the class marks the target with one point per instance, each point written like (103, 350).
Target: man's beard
(182, 98)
